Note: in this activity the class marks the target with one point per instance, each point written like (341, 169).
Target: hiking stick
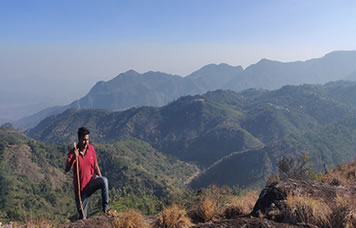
(78, 181)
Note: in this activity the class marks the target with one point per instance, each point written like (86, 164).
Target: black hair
(82, 132)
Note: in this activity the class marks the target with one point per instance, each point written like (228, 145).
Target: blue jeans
(96, 183)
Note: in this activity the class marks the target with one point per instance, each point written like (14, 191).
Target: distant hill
(4, 120)
(212, 77)
(131, 89)
(246, 169)
(295, 107)
(268, 74)
(331, 144)
(218, 129)
(32, 120)
(127, 90)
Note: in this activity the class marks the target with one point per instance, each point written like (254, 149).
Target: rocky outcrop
(272, 202)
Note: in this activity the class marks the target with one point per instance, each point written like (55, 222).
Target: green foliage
(147, 204)
(135, 167)
(22, 196)
(248, 169)
(298, 168)
(11, 137)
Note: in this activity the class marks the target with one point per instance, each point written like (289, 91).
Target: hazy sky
(53, 51)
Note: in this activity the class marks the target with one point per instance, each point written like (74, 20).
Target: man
(90, 178)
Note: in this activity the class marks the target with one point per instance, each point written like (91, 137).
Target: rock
(272, 200)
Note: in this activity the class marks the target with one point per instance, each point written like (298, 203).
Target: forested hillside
(225, 127)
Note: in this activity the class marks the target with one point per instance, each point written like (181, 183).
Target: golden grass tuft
(336, 179)
(344, 175)
(241, 205)
(304, 209)
(344, 212)
(173, 217)
(208, 209)
(129, 219)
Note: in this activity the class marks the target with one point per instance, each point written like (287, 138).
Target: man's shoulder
(90, 148)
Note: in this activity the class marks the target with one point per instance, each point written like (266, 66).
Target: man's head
(83, 137)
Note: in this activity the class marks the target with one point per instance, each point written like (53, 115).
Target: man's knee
(104, 181)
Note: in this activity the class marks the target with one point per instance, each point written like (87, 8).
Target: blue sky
(53, 51)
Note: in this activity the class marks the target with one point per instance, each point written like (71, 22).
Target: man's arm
(97, 169)
(70, 164)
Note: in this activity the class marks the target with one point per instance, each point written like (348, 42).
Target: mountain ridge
(204, 129)
(132, 90)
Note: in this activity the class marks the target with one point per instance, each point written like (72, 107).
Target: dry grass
(241, 205)
(304, 209)
(344, 175)
(173, 217)
(344, 208)
(344, 212)
(129, 219)
(336, 179)
(208, 209)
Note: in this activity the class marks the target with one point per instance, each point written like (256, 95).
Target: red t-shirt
(86, 167)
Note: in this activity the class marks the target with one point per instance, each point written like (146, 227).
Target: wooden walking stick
(78, 181)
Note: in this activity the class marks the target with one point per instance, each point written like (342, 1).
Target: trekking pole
(78, 181)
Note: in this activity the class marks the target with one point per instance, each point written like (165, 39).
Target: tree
(295, 167)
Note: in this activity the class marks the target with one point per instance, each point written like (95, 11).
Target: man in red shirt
(89, 173)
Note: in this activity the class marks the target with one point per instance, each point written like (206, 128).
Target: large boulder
(272, 203)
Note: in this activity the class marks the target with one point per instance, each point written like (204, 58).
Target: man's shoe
(110, 212)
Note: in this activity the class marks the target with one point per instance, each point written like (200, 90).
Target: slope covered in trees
(220, 128)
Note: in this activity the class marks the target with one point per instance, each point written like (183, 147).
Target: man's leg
(95, 184)
(85, 201)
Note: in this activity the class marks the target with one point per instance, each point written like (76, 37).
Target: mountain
(175, 129)
(221, 130)
(212, 77)
(4, 120)
(268, 74)
(32, 120)
(127, 90)
(329, 145)
(246, 169)
(131, 89)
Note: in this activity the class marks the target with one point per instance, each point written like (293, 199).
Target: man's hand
(69, 164)
(76, 150)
